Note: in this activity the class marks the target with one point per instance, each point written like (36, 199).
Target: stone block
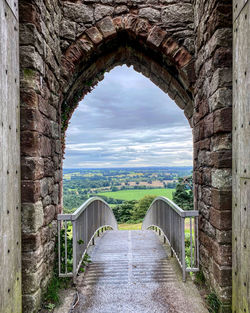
(142, 28)
(221, 220)
(102, 10)
(55, 194)
(29, 98)
(224, 236)
(44, 187)
(68, 30)
(220, 99)
(221, 142)
(31, 302)
(121, 9)
(222, 179)
(150, 14)
(222, 77)
(32, 168)
(32, 217)
(222, 254)
(49, 214)
(222, 200)
(54, 129)
(223, 120)
(107, 27)
(30, 58)
(182, 57)
(29, 14)
(30, 143)
(119, 23)
(174, 15)
(169, 46)
(156, 36)
(30, 241)
(78, 12)
(30, 191)
(48, 167)
(45, 146)
(222, 159)
(31, 281)
(94, 35)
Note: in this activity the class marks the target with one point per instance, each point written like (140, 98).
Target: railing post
(59, 246)
(66, 247)
(183, 261)
(74, 248)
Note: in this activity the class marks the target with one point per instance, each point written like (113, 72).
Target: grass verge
(129, 226)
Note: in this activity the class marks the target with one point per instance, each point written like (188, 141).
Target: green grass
(130, 226)
(137, 194)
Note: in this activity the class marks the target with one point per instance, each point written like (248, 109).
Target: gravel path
(131, 272)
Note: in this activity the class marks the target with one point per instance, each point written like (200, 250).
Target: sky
(127, 121)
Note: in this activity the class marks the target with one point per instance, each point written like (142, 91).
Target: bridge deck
(131, 272)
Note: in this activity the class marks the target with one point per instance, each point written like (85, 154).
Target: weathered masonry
(185, 47)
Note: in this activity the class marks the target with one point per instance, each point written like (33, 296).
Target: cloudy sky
(127, 121)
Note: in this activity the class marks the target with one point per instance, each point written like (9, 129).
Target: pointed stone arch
(65, 47)
(127, 40)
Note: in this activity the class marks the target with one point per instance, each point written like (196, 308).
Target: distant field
(137, 194)
(129, 226)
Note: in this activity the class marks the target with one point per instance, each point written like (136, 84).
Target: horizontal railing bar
(175, 207)
(192, 269)
(66, 275)
(74, 216)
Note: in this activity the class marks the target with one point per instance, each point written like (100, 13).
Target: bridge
(129, 264)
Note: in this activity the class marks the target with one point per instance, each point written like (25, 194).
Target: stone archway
(65, 49)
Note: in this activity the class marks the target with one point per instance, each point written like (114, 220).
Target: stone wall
(65, 48)
(10, 206)
(241, 157)
(40, 59)
(213, 142)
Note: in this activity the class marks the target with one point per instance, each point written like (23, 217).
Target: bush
(123, 211)
(141, 207)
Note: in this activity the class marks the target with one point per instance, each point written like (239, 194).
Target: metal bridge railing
(173, 221)
(91, 217)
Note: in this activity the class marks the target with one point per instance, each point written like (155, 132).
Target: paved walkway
(131, 272)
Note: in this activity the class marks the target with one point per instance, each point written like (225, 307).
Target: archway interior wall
(60, 45)
(212, 136)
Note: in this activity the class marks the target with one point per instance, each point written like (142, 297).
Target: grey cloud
(127, 121)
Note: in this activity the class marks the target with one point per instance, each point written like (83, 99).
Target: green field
(137, 194)
(129, 226)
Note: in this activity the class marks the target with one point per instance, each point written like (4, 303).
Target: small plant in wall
(213, 302)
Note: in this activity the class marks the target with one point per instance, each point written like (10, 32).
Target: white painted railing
(173, 222)
(89, 219)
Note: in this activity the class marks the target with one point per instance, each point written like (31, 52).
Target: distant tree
(123, 211)
(183, 196)
(114, 188)
(141, 207)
